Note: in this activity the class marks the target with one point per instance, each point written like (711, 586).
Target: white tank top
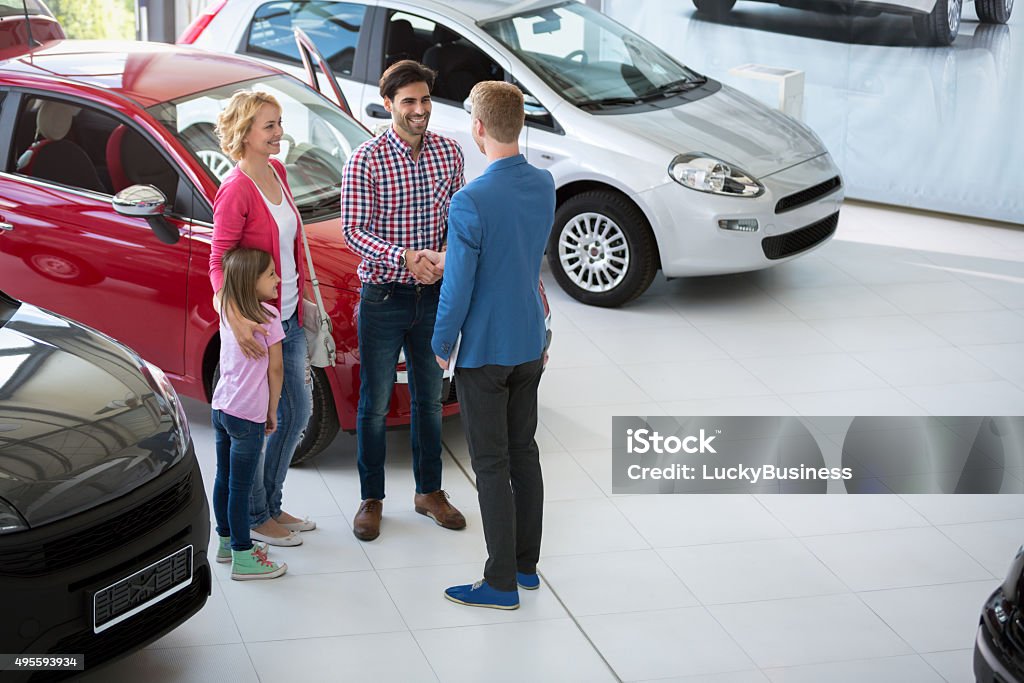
(287, 228)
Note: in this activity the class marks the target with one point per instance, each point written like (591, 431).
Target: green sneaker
(224, 549)
(250, 564)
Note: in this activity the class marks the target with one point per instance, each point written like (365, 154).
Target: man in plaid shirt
(395, 191)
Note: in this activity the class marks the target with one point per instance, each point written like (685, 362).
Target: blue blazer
(498, 226)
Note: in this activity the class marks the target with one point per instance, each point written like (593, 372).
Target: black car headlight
(705, 173)
(11, 520)
(173, 406)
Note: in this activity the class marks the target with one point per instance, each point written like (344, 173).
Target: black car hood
(80, 422)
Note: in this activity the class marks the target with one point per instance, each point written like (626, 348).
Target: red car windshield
(318, 137)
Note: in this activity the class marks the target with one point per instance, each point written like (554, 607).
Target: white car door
(335, 28)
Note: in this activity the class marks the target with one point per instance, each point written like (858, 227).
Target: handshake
(426, 265)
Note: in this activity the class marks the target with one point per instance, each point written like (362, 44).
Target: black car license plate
(146, 587)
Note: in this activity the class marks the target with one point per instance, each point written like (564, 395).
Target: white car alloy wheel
(601, 250)
(217, 162)
(593, 252)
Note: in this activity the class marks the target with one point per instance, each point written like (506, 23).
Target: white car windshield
(589, 59)
(318, 137)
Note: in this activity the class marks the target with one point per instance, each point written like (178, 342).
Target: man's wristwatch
(405, 259)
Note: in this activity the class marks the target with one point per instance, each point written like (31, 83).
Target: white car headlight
(705, 173)
(176, 409)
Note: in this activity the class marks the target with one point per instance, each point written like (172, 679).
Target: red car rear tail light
(199, 24)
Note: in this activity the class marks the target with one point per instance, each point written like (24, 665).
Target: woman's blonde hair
(235, 121)
(242, 268)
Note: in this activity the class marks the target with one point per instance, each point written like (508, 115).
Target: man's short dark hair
(401, 74)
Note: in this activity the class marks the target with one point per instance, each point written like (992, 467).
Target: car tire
(940, 26)
(601, 249)
(323, 423)
(994, 11)
(714, 8)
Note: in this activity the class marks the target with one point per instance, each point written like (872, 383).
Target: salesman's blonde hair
(499, 106)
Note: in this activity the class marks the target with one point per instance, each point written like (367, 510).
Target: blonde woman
(254, 208)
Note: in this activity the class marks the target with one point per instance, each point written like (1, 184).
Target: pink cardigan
(241, 218)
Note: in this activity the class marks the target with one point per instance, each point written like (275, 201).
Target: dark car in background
(999, 647)
(104, 521)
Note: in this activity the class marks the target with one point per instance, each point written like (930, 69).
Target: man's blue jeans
(239, 443)
(392, 317)
(292, 417)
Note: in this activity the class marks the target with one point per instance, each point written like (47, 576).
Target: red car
(83, 124)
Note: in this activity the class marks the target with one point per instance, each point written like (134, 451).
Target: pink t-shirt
(243, 390)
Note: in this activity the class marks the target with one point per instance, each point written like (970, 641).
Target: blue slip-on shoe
(480, 594)
(530, 582)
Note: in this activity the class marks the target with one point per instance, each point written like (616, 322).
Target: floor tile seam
(940, 584)
(993, 521)
(696, 678)
(824, 565)
(408, 629)
(916, 655)
(997, 305)
(702, 603)
(513, 622)
(547, 585)
(156, 646)
(234, 618)
(726, 631)
(952, 540)
(372, 632)
(252, 663)
(1018, 383)
(892, 629)
(702, 543)
(589, 337)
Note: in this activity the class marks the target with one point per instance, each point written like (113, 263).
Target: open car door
(311, 60)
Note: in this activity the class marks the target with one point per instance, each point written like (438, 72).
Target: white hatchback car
(657, 167)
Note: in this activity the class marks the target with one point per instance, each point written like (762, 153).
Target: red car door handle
(6, 226)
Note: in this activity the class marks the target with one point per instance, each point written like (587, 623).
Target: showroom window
(332, 26)
(83, 148)
(459, 64)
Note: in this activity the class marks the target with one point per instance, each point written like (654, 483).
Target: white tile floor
(726, 589)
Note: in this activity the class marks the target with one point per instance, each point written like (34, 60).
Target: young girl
(245, 408)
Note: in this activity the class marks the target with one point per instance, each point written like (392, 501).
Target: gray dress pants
(499, 413)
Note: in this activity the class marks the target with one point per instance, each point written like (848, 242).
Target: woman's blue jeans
(292, 417)
(239, 443)
(392, 317)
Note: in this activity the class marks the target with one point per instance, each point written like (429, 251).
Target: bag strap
(324, 318)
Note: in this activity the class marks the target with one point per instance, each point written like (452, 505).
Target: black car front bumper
(52, 579)
(989, 666)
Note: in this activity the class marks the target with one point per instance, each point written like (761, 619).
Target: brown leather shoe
(436, 506)
(366, 525)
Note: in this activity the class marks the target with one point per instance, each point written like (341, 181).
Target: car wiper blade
(673, 87)
(608, 101)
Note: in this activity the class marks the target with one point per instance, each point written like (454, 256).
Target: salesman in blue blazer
(497, 228)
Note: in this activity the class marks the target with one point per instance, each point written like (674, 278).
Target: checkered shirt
(390, 203)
